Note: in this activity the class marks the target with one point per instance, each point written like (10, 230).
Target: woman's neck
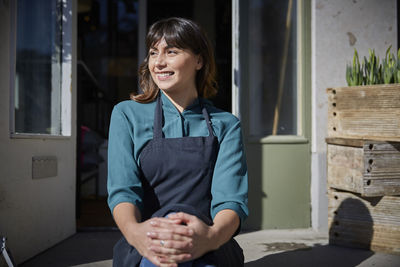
(182, 101)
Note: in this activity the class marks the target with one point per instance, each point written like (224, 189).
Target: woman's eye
(152, 53)
(172, 52)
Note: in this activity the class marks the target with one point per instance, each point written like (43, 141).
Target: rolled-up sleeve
(230, 183)
(123, 183)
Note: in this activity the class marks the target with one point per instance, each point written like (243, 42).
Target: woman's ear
(199, 62)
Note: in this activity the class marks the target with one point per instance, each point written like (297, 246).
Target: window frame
(66, 76)
(239, 67)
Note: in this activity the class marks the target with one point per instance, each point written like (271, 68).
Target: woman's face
(173, 69)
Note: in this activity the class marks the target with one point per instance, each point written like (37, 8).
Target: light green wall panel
(279, 190)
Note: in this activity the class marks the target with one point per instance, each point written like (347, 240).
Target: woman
(177, 177)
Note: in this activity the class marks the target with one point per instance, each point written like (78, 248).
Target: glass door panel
(272, 29)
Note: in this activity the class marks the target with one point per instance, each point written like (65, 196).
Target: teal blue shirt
(131, 128)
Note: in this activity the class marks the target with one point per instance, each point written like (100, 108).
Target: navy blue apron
(176, 176)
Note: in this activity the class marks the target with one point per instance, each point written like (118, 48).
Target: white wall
(337, 28)
(34, 214)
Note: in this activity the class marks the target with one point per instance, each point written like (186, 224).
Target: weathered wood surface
(345, 168)
(345, 141)
(365, 112)
(364, 222)
(370, 168)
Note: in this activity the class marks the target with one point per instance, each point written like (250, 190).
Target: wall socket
(44, 166)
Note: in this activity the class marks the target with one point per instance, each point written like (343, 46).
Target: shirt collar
(168, 106)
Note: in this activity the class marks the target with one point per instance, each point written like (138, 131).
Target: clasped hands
(168, 241)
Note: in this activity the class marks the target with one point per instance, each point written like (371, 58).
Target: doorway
(275, 81)
(109, 49)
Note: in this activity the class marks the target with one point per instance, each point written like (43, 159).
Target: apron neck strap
(206, 117)
(159, 119)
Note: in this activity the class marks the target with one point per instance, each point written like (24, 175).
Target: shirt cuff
(136, 202)
(236, 207)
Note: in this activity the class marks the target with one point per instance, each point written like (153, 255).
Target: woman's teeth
(165, 74)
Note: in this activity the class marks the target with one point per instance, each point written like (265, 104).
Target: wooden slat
(390, 187)
(382, 96)
(346, 168)
(370, 170)
(364, 112)
(382, 168)
(372, 223)
(345, 141)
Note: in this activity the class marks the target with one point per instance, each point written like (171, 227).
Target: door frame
(267, 171)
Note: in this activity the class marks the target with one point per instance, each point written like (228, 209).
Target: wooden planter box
(370, 168)
(371, 223)
(364, 112)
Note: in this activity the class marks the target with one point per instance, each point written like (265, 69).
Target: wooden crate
(370, 168)
(364, 112)
(371, 223)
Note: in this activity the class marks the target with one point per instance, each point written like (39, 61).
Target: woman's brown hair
(184, 34)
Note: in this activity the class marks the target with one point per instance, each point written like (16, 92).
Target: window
(41, 95)
(273, 67)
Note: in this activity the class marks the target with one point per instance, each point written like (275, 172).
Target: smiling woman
(177, 177)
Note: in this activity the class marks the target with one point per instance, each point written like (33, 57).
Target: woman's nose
(160, 61)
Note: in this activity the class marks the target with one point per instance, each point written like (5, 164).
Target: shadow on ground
(81, 248)
(319, 255)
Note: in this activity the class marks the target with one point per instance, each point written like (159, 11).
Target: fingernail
(172, 213)
(153, 222)
(150, 234)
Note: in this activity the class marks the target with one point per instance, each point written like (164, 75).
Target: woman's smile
(162, 76)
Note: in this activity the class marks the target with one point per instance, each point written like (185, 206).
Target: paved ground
(301, 248)
(286, 248)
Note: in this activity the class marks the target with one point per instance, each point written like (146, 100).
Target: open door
(272, 96)
(37, 85)
(108, 42)
(111, 41)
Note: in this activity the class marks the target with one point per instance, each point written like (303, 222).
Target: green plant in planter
(354, 73)
(390, 68)
(372, 69)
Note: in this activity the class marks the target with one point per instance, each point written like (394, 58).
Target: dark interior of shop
(107, 64)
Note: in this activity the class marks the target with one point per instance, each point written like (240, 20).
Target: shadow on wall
(351, 225)
(256, 193)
